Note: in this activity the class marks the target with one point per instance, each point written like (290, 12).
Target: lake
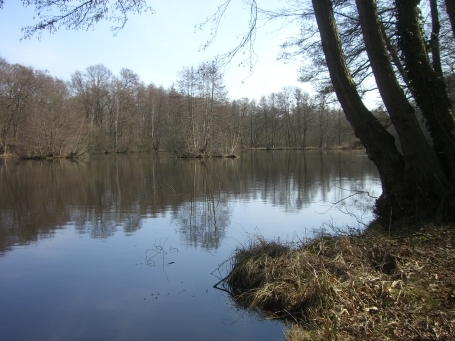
(128, 247)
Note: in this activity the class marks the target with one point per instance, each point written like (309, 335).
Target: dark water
(127, 247)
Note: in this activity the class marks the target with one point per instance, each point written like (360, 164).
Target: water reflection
(104, 194)
(204, 217)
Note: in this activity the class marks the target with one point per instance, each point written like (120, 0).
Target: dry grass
(376, 286)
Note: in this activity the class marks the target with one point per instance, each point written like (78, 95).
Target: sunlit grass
(378, 285)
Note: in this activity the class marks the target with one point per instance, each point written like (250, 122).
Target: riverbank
(383, 284)
(347, 147)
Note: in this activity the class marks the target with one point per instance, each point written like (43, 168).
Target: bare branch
(82, 16)
(248, 38)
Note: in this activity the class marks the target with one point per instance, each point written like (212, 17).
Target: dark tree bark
(429, 90)
(434, 43)
(450, 7)
(379, 144)
(422, 170)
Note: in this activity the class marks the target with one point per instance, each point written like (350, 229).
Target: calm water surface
(128, 247)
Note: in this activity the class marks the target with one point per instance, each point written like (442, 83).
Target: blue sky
(155, 46)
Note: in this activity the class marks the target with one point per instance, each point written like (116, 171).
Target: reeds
(372, 286)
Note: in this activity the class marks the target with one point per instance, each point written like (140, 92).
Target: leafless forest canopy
(98, 111)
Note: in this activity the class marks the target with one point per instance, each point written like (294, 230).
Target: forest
(97, 111)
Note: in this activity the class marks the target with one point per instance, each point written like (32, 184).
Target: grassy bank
(380, 285)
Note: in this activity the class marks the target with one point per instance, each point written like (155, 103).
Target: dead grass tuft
(376, 286)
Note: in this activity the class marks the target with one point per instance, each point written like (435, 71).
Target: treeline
(97, 111)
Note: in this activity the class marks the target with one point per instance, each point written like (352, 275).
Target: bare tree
(155, 108)
(123, 109)
(204, 94)
(92, 88)
(304, 116)
(17, 86)
(53, 128)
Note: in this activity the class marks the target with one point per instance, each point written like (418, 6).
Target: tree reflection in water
(104, 194)
(203, 219)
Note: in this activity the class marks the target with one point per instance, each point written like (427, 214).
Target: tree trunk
(422, 171)
(436, 28)
(379, 143)
(429, 90)
(117, 109)
(450, 7)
